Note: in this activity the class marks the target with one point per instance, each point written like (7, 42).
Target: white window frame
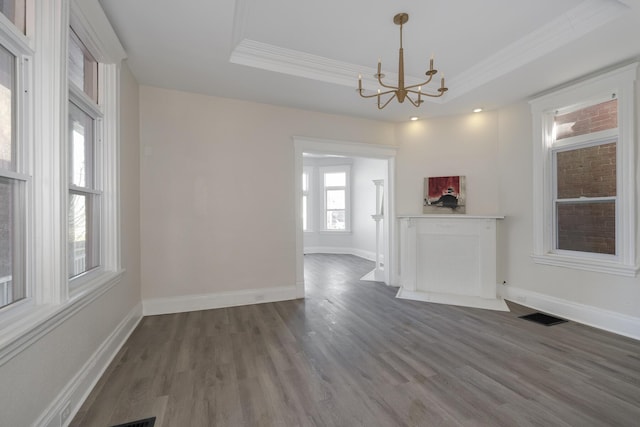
(44, 125)
(86, 105)
(21, 47)
(336, 169)
(620, 82)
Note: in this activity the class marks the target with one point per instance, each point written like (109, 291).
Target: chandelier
(401, 92)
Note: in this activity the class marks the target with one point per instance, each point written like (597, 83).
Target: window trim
(621, 82)
(18, 45)
(333, 169)
(105, 114)
(50, 300)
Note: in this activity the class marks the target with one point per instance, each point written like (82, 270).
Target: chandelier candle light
(401, 92)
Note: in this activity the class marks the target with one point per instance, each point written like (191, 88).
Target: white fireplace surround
(449, 259)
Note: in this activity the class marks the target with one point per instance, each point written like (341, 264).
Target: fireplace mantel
(449, 259)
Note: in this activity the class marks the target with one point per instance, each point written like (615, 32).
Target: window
(584, 196)
(84, 197)
(58, 165)
(83, 68)
(14, 179)
(336, 195)
(83, 154)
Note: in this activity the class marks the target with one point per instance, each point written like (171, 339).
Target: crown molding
(567, 27)
(573, 24)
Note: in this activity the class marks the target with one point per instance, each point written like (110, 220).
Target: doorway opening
(334, 169)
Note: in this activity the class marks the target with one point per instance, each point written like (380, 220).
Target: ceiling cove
(586, 17)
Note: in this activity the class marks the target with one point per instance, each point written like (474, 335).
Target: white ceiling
(308, 54)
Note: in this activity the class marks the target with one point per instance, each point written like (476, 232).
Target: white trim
(78, 388)
(352, 149)
(611, 321)
(587, 263)
(185, 303)
(583, 19)
(620, 81)
(343, 148)
(322, 171)
(92, 26)
(302, 64)
(48, 249)
(496, 304)
(27, 329)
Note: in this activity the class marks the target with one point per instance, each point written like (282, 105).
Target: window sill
(27, 327)
(587, 264)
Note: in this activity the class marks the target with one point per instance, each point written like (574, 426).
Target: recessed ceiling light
(477, 110)
(414, 118)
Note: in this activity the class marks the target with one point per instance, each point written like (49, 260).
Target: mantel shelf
(452, 216)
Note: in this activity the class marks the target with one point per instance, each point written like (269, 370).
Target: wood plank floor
(351, 354)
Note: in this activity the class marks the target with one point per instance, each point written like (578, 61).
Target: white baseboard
(371, 256)
(184, 303)
(73, 395)
(497, 304)
(611, 321)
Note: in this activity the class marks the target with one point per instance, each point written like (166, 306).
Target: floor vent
(543, 319)
(147, 422)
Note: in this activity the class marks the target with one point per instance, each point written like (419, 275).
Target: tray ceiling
(309, 54)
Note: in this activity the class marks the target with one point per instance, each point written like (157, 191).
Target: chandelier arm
(415, 104)
(385, 85)
(375, 94)
(420, 92)
(421, 84)
(386, 103)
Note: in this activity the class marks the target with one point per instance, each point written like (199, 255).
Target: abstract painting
(444, 195)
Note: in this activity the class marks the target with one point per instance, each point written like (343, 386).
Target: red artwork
(444, 195)
(441, 185)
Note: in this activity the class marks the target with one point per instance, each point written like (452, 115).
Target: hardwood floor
(351, 354)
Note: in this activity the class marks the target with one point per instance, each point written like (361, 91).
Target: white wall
(361, 240)
(463, 145)
(617, 294)
(494, 151)
(217, 188)
(32, 381)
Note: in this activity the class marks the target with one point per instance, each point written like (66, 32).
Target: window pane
(83, 68)
(587, 172)
(15, 11)
(83, 234)
(12, 285)
(305, 182)
(80, 147)
(587, 227)
(335, 199)
(336, 220)
(591, 119)
(335, 179)
(7, 107)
